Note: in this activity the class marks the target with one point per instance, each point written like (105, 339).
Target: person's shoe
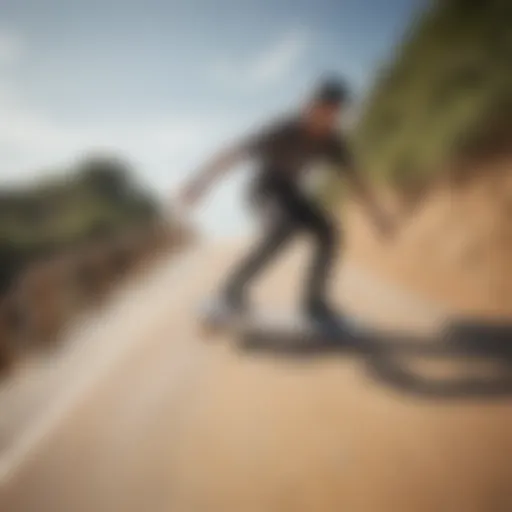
(324, 316)
(220, 312)
(231, 307)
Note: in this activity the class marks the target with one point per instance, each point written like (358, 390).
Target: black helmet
(332, 90)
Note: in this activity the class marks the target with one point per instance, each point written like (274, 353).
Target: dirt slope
(179, 423)
(456, 248)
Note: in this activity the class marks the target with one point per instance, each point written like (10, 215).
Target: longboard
(262, 325)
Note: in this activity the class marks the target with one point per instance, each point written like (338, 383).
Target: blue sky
(164, 83)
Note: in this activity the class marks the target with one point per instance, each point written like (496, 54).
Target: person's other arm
(379, 216)
(349, 171)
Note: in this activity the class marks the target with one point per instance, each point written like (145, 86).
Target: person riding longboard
(284, 150)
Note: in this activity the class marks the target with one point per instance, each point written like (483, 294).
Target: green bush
(94, 201)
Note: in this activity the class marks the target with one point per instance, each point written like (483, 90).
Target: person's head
(326, 104)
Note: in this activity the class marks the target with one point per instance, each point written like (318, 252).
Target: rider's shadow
(475, 358)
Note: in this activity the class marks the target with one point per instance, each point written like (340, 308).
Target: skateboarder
(284, 150)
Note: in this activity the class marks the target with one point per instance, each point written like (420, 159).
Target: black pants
(293, 213)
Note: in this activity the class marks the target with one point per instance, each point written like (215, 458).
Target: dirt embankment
(455, 248)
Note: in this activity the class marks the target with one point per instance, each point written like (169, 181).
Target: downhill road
(145, 414)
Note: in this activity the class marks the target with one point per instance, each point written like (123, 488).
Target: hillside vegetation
(436, 131)
(98, 197)
(446, 94)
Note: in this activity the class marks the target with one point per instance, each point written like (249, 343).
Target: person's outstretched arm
(252, 146)
(206, 177)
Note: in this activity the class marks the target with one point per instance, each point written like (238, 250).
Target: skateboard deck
(266, 324)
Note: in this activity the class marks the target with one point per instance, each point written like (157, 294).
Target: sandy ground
(455, 247)
(149, 415)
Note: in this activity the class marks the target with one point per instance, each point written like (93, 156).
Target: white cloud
(12, 46)
(271, 66)
(32, 141)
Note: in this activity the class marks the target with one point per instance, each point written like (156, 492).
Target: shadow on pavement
(477, 355)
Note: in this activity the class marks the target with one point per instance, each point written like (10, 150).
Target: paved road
(154, 417)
